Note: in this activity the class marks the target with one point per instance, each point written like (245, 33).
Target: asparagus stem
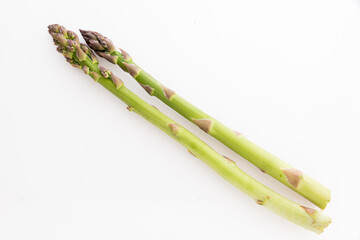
(79, 56)
(266, 162)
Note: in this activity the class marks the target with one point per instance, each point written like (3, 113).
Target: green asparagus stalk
(80, 56)
(266, 162)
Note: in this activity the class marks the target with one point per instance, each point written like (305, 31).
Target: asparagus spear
(80, 56)
(266, 162)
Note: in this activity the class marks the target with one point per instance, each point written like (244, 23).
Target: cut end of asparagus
(319, 220)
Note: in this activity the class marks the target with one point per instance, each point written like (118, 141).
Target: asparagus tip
(98, 42)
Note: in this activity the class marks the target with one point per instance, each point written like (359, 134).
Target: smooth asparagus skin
(266, 162)
(80, 56)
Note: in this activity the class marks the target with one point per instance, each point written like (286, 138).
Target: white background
(75, 164)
